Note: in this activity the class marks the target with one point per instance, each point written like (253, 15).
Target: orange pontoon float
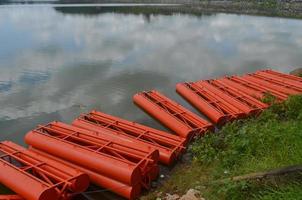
(108, 158)
(122, 189)
(197, 99)
(269, 84)
(172, 115)
(265, 90)
(34, 179)
(223, 98)
(239, 95)
(133, 134)
(293, 86)
(247, 89)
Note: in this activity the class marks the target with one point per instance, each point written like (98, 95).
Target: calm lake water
(56, 62)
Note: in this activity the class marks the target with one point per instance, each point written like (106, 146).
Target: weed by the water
(272, 140)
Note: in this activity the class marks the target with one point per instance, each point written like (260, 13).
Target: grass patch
(184, 176)
(271, 140)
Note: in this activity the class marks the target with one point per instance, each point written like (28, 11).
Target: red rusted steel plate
(172, 115)
(10, 197)
(239, 95)
(116, 161)
(269, 85)
(259, 87)
(133, 134)
(34, 179)
(200, 100)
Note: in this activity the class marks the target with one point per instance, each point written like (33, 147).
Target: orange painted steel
(291, 89)
(269, 85)
(259, 87)
(126, 191)
(34, 179)
(172, 115)
(295, 87)
(102, 156)
(200, 100)
(286, 76)
(10, 197)
(133, 134)
(235, 105)
(239, 95)
(78, 181)
(248, 89)
(225, 108)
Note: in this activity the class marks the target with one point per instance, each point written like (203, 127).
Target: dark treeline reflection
(135, 10)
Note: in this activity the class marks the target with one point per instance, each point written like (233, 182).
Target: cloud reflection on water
(100, 61)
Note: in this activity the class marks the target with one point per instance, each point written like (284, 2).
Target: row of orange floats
(124, 156)
(236, 97)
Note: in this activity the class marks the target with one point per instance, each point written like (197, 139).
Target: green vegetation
(269, 141)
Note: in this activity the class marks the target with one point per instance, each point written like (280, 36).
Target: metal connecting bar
(49, 181)
(170, 146)
(259, 87)
(239, 95)
(114, 160)
(172, 115)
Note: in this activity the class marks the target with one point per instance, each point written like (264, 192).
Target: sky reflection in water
(56, 63)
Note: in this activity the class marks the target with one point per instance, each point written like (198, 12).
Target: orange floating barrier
(172, 115)
(293, 86)
(283, 75)
(195, 96)
(10, 197)
(239, 95)
(133, 134)
(108, 158)
(129, 192)
(34, 179)
(218, 109)
(248, 89)
(270, 85)
(234, 105)
(258, 87)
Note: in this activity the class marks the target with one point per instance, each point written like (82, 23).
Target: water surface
(58, 61)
